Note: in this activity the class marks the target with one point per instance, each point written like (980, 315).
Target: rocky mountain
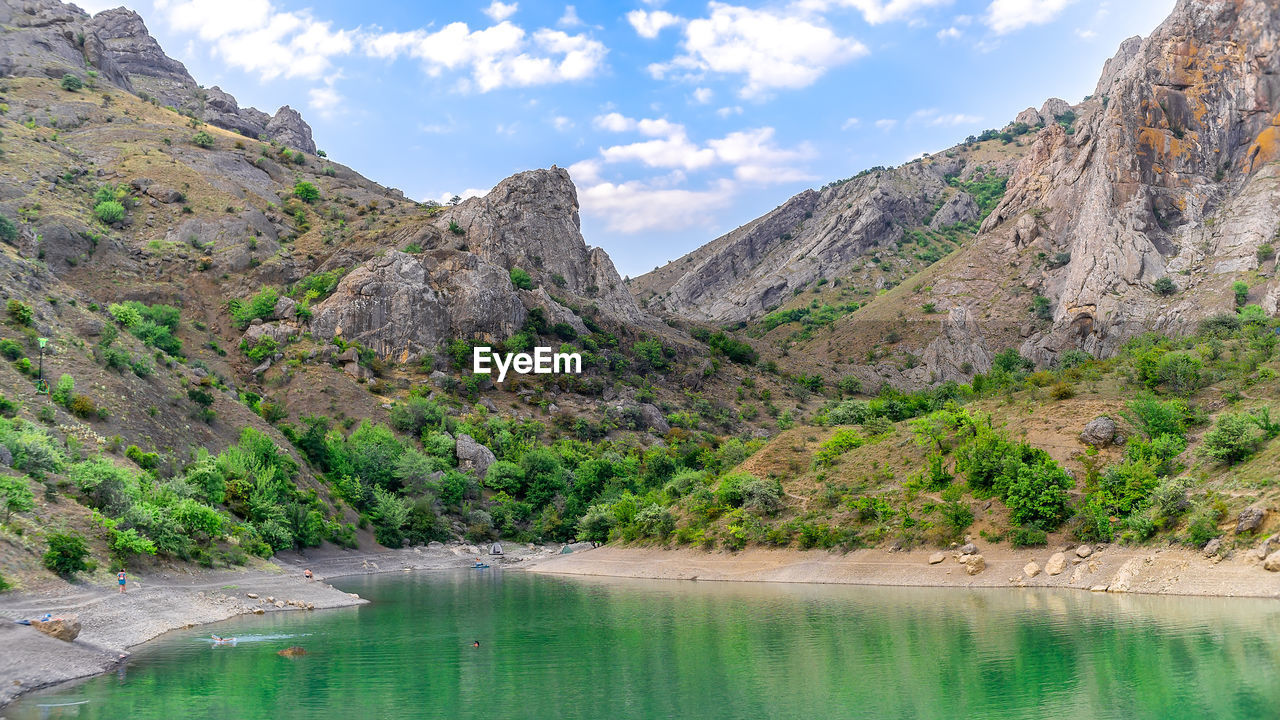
(1167, 172)
(48, 38)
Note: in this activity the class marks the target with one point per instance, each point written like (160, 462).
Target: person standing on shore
(307, 574)
(120, 579)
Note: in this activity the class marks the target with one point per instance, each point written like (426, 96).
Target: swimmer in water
(475, 643)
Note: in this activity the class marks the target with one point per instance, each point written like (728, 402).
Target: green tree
(1241, 291)
(202, 139)
(67, 553)
(389, 515)
(1233, 438)
(71, 83)
(15, 496)
(306, 192)
(20, 313)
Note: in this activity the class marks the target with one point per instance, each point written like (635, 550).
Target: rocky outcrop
(126, 41)
(959, 208)
(406, 306)
(816, 234)
(57, 38)
(1117, 64)
(473, 455)
(1250, 519)
(288, 128)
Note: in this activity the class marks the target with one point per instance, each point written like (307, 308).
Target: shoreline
(1149, 571)
(114, 624)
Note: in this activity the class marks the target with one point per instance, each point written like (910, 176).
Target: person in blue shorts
(120, 580)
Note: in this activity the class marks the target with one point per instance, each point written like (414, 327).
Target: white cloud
(1006, 16)
(649, 24)
(629, 207)
(561, 123)
(254, 36)
(438, 128)
(886, 124)
(702, 96)
(499, 11)
(850, 124)
(756, 159)
(932, 117)
(324, 100)
(445, 197)
(774, 51)
(507, 129)
(570, 18)
(502, 55)
(1086, 34)
(877, 11)
(951, 33)
(725, 112)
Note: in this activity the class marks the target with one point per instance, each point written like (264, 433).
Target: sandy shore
(157, 603)
(1164, 571)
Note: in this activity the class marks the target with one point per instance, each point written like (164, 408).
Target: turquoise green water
(596, 648)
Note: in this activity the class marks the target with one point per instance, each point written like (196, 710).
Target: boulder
(1084, 551)
(1272, 562)
(438, 378)
(285, 309)
(973, 564)
(488, 404)
(968, 549)
(1100, 432)
(1250, 519)
(1031, 569)
(6, 456)
(653, 418)
(1057, 563)
(165, 195)
(63, 628)
(346, 356)
(937, 557)
(1213, 547)
(472, 454)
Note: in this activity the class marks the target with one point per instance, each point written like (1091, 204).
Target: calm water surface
(602, 648)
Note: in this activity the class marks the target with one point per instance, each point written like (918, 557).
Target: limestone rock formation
(288, 127)
(58, 38)
(1250, 519)
(1057, 563)
(472, 454)
(960, 208)
(63, 628)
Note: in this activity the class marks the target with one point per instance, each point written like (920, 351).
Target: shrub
(455, 228)
(8, 231)
(521, 279)
(1266, 251)
(202, 139)
(260, 306)
(15, 496)
(71, 83)
(1062, 391)
(1180, 372)
(1164, 286)
(1154, 417)
(20, 313)
(82, 406)
(1029, 536)
(109, 212)
(67, 554)
(1038, 495)
(306, 192)
(63, 391)
(1241, 291)
(1232, 439)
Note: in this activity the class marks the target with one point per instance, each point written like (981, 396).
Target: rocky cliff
(48, 38)
(1169, 171)
(818, 234)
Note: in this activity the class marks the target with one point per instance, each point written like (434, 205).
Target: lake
(553, 647)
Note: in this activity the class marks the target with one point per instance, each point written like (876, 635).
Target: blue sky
(678, 120)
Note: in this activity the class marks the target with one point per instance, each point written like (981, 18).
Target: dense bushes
(154, 325)
(67, 554)
(259, 307)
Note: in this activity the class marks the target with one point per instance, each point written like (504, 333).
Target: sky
(678, 121)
